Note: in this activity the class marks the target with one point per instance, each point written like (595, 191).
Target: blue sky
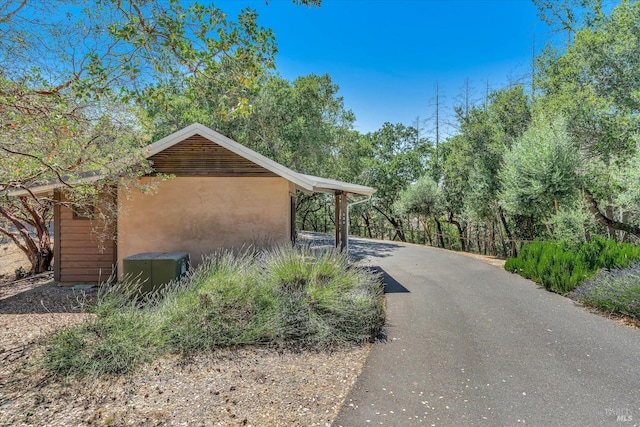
(387, 56)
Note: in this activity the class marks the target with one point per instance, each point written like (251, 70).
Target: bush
(561, 267)
(616, 291)
(283, 295)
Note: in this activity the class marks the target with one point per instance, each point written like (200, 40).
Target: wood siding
(198, 156)
(82, 254)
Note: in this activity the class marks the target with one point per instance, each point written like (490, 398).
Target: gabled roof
(231, 145)
(306, 183)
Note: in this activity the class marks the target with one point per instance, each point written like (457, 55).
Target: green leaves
(422, 198)
(539, 171)
(594, 83)
(69, 78)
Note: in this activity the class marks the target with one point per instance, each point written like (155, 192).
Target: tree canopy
(81, 89)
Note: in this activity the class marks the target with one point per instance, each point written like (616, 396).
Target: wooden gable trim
(199, 156)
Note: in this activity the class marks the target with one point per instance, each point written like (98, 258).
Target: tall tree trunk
(530, 228)
(611, 231)
(460, 229)
(396, 223)
(411, 230)
(505, 225)
(486, 238)
(367, 223)
(38, 248)
(502, 242)
(492, 236)
(427, 232)
(439, 235)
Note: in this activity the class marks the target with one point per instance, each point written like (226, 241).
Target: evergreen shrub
(561, 267)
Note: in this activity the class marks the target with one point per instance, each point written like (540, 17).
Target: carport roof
(306, 183)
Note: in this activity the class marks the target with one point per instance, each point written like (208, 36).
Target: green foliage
(71, 73)
(283, 296)
(626, 177)
(121, 337)
(300, 124)
(539, 171)
(396, 156)
(422, 198)
(560, 267)
(594, 82)
(279, 296)
(470, 181)
(569, 226)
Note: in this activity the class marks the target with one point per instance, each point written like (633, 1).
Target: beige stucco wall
(202, 214)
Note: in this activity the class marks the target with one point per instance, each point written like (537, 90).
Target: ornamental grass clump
(121, 336)
(282, 296)
(224, 304)
(616, 291)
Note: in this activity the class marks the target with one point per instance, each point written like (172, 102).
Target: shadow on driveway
(391, 285)
(359, 249)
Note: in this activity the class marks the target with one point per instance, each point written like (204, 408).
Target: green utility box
(154, 269)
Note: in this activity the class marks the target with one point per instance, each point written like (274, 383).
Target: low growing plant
(616, 291)
(560, 267)
(121, 336)
(282, 295)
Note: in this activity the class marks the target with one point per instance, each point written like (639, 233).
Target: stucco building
(220, 195)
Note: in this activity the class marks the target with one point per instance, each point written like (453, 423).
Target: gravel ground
(253, 386)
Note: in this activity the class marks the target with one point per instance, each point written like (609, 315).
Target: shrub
(616, 291)
(560, 267)
(282, 295)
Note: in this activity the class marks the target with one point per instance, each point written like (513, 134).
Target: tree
(396, 158)
(424, 200)
(540, 172)
(593, 83)
(470, 181)
(69, 79)
(569, 16)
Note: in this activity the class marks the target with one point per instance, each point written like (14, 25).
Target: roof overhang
(326, 185)
(48, 189)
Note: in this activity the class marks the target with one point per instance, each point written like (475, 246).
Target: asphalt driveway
(471, 344)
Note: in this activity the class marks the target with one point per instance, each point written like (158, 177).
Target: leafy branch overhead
(71, 76)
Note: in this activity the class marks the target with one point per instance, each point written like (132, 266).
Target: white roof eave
(326, 185)
(48, 189)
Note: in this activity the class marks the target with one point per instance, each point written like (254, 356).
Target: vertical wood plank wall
(80, 255)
